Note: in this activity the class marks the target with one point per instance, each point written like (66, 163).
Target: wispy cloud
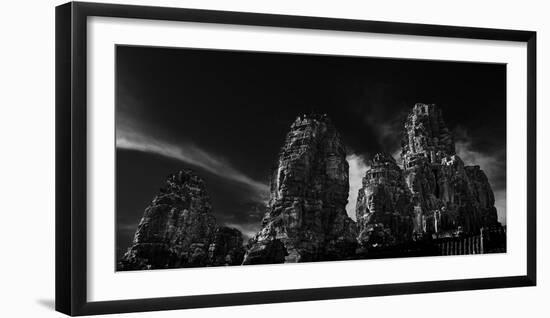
(186, 152)
(357, 170)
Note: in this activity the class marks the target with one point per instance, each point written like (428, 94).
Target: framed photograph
(210, 158)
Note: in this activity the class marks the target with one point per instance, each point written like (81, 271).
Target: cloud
(247, 229)
(493, 165)
(186, 152)
(386, 131)
(357, 170)
(397, 156)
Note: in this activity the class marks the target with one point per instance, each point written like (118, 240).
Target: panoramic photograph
(232, 158)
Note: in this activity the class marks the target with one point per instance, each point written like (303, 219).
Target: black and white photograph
(275, 159)
(238, 158)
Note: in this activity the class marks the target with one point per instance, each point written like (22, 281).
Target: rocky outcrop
(448, 197)
(384, 209)
(306, 218)
(178, 230)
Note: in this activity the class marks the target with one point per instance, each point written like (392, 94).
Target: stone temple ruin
(448, 197)
(433, 204)
(435, 199)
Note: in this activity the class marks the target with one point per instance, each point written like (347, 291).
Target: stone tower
(384, 210)
(306, 218)
(448, 197)
(178, 230)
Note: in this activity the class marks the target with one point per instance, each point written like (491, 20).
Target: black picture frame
(71, 157)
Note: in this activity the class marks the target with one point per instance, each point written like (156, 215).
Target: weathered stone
(177, 230)
(449, 198)
(426, 135)
(384, 209)
(227, 247)
(268, 252)
(309, 190)
(428, 206)
(483, 194)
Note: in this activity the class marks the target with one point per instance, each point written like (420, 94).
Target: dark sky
(225, 114)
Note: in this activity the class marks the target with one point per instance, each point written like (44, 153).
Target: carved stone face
(370, 202)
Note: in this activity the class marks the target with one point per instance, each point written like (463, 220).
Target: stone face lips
(448, 197)
(384, 209)
(306, 218)
(177, 230)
